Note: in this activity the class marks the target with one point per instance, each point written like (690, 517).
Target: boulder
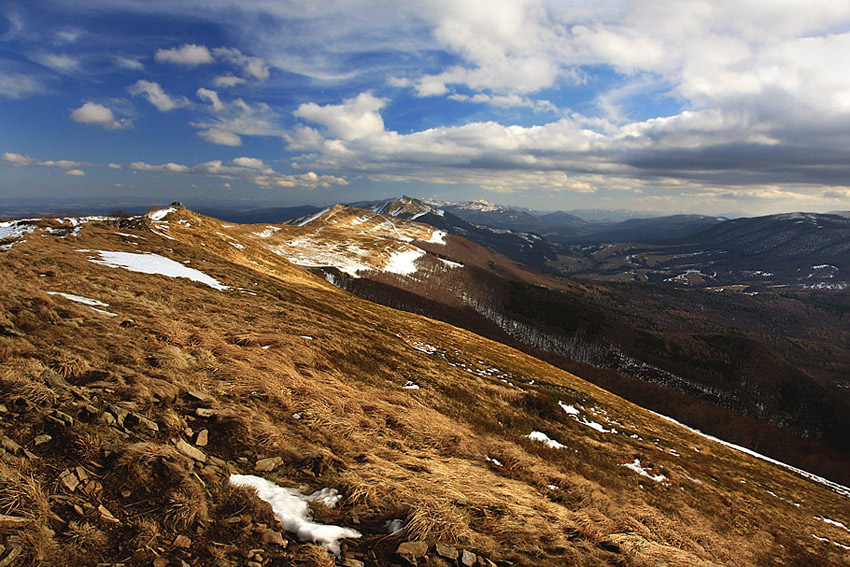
(268, 465)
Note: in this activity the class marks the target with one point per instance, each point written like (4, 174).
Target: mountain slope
(144, 363)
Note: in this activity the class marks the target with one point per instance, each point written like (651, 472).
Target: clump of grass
(185, 506)
(85, 537)
(172, 357)
(69, 365)
(146, 533)
(314, 556)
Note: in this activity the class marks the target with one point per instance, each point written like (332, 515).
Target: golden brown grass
(420, 455)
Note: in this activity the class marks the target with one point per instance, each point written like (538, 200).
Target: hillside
(146, 361)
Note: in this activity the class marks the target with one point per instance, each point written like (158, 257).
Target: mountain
(163, 375)
(253, 216)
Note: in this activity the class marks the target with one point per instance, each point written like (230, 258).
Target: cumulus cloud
(251, 169)
(20, 160)
(93, 113)
(155, 95)
(354, 118)
(220, 137)
(225, 81)
(230, 120)
(75, 172)
(212, 97)
(251, 66)
(188, 55)
(61, 63)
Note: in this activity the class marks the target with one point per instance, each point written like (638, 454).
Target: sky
(687, 106)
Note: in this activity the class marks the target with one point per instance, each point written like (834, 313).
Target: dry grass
(419, 455)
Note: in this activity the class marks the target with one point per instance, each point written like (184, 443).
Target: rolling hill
(163, 375)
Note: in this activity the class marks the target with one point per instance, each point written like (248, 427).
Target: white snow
(160, 214)
(104, 312)
(402, 263)
(437, 237)
(236, 245)
(268, 232)
(308, 337)
(311, 218)
(543, 438)
(451, 264)
(496, 462)
(411, 385)
(394, 526)
(834, 486)
(79, 299)
(14, 229)
(569, 409)
(832, 522)
(329, 497)
(635, 466)
(153, 264)
(290, 507)
(296, 416)
(576, 415)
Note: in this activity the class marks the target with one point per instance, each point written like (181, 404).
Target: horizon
(535, 104)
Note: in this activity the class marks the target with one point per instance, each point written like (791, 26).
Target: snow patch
(160, 214)
(834, 486)
(635, 466)
(411, 385)
(311, 218)
(290, 507)
(451, 264)
(394, 526)
(267, 233)
(79, 299)
(153, 264)
(402, 263)
(437, 237)
(543, 438)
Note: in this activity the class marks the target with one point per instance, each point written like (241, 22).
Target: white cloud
(228, 81)
(189, 55)
(19, 85)
(129, 63)
(251, 169)
(254, 67)
(211, 96)
(20, 160)
(93, 113)
(156, 96)
(220, 137)
(75, 172)
(60, 63)
(354, 118)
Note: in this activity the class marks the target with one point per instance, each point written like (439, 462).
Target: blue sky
(690, 106)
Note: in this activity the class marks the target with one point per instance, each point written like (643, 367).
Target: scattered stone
(272, 537)
(69, 479)
(410, 551)
(149, 424)
(216, 461)
(253, 563)
(82, 474)
(203, 438)
(107, 515)
(268, 465)
(91, 410)
(13, 521)
(64, 417)
(468, 558)
(11, 446)
(120, 414)
(446, 551)
(108, 418)
(190, 451)
(13, 555)
(350, 562)
(93, 489)
(182, 542)
(242, 460)
(42, 439)
(200, 396)
(205, 412)
(3, 408)
(160, 562)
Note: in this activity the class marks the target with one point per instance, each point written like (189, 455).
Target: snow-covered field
(149, 263)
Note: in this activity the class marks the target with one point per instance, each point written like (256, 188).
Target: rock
(350, 562)
(120, 414)
(160, 562)
(182, 542)
(446, 551)
(272, 537)
(203, 438)
(255, 564)
(268, 465)
(108, 418)
(205, 412)
(7, 522)
(107, 515)
(13, 555)
(149, 424)
(69, 479)
(412, 550)
(81, 474)
(62, 416)
(200, 396)
(10, 446)
(190, 451)
(216, 461)
(42, 439)
(468, 558)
